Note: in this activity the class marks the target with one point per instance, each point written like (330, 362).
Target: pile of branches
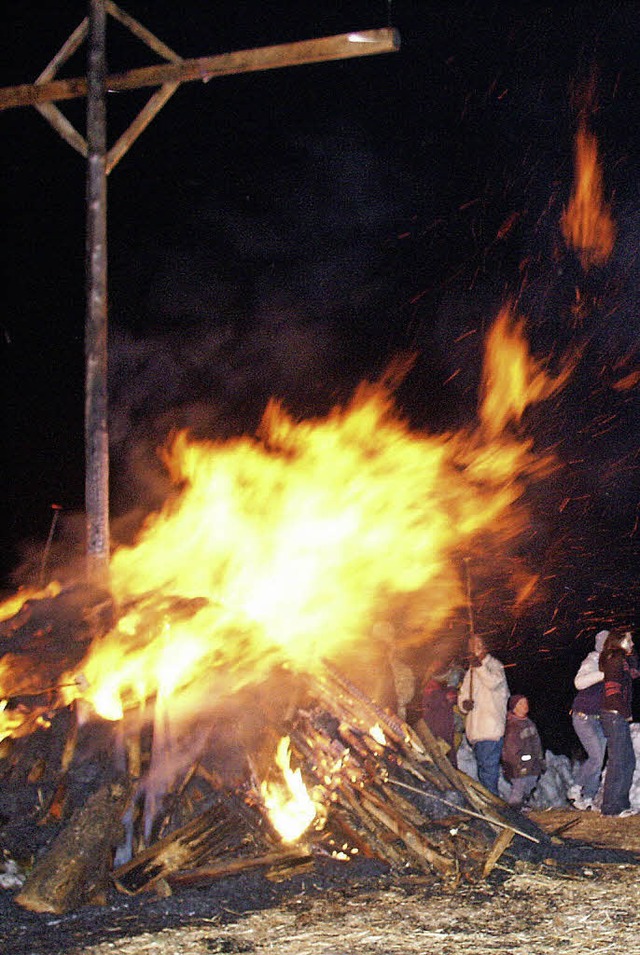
(384, 791)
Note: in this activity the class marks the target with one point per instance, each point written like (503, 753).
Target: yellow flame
(291, 809)
(587, 224)
(285, 549)
(14, 604)
(512, 380)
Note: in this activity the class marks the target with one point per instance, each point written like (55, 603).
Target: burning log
(75, 870)
(381, 789)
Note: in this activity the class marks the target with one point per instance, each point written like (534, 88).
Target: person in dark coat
(438, 701)
(619, 664)
(522, 753)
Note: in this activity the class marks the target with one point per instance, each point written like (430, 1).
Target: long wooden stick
(466, 812)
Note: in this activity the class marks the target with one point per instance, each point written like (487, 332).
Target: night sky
(287, 233)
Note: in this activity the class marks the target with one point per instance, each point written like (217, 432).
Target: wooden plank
(412, 839)
(63, 127)
(220, 870)
(340, 47)
(217, 830)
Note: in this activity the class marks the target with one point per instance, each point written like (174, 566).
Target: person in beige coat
(483, 697)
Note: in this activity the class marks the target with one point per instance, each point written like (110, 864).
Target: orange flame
(291, 809)
(287, 549)
(586, 224)
(512, 378)
(14, 604)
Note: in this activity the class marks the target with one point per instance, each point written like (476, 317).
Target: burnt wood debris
(71, 792)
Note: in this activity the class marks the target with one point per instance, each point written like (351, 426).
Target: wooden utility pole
(100, 161)
(96, 436)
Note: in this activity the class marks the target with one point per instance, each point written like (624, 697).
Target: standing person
(483, 698)
(619, 666)
(522, 753)
(438, 701)
(585, 717)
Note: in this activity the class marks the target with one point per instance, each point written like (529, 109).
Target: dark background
(288, 232)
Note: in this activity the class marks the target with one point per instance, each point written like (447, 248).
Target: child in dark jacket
(522, 753)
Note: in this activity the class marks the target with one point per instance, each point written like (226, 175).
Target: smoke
(261, 291)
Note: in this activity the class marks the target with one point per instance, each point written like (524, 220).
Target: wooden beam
(65, 52)
(340, 47)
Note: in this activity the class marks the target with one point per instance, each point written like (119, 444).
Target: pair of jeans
(621, 763)
(487, 753)
(588, 729)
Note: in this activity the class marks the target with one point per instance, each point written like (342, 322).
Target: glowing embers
(377, 733)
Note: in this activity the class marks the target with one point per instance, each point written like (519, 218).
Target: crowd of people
(498, 729)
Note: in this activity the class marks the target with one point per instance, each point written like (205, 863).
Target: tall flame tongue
(283, 551)
(586, 224)
(291, 809)
(512, 379)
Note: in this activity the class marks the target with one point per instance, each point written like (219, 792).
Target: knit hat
(514, 700)
(600, 640)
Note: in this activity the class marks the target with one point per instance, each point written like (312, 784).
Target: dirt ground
(522, 908)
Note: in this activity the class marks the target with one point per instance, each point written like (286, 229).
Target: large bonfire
(311, 544)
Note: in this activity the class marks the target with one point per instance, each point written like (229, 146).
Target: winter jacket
(589, 682)
(486, 687)
(619, 672)
(437, 712)
(522, 753)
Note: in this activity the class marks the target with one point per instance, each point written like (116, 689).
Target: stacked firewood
(383, 790)
(394, 793)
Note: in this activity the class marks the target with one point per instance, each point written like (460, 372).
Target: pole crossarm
(56, 118)
(340, 47)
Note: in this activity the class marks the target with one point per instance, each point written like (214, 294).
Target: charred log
(76, 868)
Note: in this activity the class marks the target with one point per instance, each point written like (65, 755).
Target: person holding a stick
(483, 697)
